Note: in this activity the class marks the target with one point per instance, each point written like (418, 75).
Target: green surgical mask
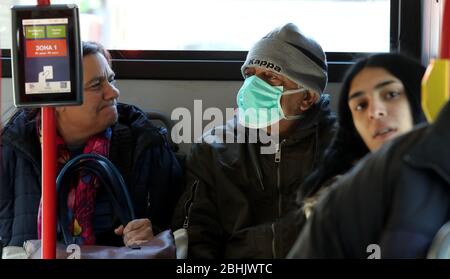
(259, 103)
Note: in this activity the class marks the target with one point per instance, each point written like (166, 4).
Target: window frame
(405, 37)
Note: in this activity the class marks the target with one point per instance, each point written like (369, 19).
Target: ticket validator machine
(47, 67)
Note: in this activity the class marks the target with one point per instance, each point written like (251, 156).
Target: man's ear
(308, 99)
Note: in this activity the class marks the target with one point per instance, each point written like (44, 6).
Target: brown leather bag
(162, 246)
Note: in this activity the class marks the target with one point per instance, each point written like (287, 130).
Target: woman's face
(98, 111)
(379, 107)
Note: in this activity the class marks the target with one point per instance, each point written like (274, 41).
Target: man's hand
(136, 232)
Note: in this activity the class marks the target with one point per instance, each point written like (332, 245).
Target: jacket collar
(134, 131)
(315, 115)
(139, 123)
(433, 150)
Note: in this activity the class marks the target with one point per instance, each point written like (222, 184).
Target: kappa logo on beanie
(264, 63)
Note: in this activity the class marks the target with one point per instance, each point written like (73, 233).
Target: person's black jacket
(139, 150)
(397, 198)
(239, 202)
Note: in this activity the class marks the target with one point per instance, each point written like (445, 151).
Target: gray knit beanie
(288, 52)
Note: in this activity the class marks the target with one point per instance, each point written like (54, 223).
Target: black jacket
(237, 200)
(397, 198)
(139, 150)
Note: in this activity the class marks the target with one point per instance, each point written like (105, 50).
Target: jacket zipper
(188, 205)
(277, 162)
(278, 152)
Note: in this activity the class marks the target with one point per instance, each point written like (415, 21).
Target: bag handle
(109, 177)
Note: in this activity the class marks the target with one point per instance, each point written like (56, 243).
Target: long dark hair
(347, 146)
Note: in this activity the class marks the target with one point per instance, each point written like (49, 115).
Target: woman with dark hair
(379, 100)
(122, 133)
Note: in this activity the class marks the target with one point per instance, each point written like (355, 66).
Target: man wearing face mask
(239, 202)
